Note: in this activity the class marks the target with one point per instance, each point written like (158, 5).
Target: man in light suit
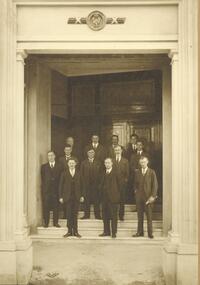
(70, 194)
(50, 176)
(122, 167)
(145, 186)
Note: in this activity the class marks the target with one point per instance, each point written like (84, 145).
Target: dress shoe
(121, 218)
(85, 218)
(114, 236)
(151, 236)
(46, 225)
(77, 235)
(57, 225)
(67, 235)
(138, 235)
(104, 235)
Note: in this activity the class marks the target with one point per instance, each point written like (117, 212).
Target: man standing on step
(110, 195)
(50, 176)
(145, 186)
(111, 149)
(97, 147)
(90, 178)
(122, 167)
(70, 194)
(68, 154)
(75, 149)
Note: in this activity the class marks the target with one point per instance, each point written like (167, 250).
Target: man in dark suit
(135, 157)
(70, 194)
(131, 150)
(50, 175)
(68, 154)
(110, 195)
(132, 146)
(97, 147)
(90, 178)
(115, 142)
(75, 152)
(122, 167)
(145, 186)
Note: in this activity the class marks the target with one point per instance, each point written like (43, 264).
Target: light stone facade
(151, 27)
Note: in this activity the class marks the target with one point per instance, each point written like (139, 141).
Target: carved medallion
(96, 20)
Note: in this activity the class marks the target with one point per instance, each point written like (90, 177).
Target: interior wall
(59, 111)
(38, 135)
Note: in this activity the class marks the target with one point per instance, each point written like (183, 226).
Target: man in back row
(100, 152)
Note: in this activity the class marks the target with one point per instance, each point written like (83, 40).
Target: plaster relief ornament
(96, 20)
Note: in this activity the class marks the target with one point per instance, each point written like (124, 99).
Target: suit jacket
(129, 151)
(112, 191)
(123, 171)
(64, 162)
(111, 152)
(146, 185)
(134, 161)
(90, 176)
(65, 185)
(99, 152)
(50, 179)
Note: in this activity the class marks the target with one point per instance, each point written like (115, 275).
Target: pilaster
(15, 245)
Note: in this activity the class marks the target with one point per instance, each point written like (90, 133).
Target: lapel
(146, 174)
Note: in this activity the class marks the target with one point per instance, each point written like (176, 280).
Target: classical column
(176, 144)
(7, 62)
(15, 246)
(167, 149)
(20, 229)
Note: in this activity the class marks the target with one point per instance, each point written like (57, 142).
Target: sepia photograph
(99, 142)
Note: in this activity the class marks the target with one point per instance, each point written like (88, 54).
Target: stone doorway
(50, 78)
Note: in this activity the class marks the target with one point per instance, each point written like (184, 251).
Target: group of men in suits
(100, 179)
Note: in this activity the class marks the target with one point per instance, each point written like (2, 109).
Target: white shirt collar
(108, 170)
(118, 157)
(72, 171)
(95, 144)
(144, 170)
(52, 163)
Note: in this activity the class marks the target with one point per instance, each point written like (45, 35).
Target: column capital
(173, 54)
(21, 55)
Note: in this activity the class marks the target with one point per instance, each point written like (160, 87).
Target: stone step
(95, 231)
(98, 240)
(96, 224)
(127, 216)
(132, 208)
